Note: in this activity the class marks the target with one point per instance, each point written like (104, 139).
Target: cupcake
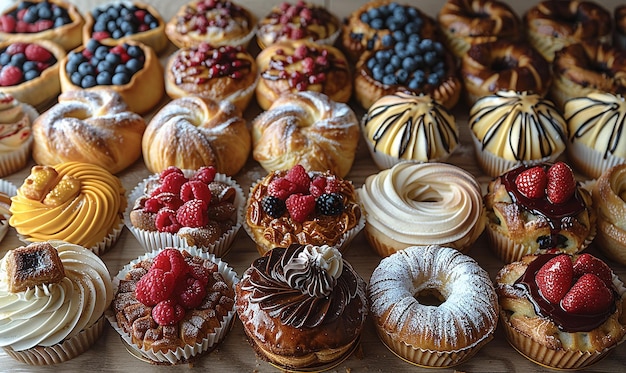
(15, 133)
(561, 311)
(303, 307)
(595, 124)
(6, 191)
(422, 204)
(173, 305)
(296, 206)
(511, 128)
(185, 208)
(76, 202)
(55, 293)
(538, 208)
(404, 127)
(608, 199)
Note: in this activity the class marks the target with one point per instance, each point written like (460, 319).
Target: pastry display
(57, 21)
(55, 293)
(511, 128)
(490, 67)
(90, 126)
(295, 21)
(608, 199)
(7, 189)
(191, 132)
(302, 65)
(76, 202)
(433, 306)
(130, 68)
(186, 208)
(302, 306)
(216, 22)
(306, 128)
(173, 305)
(15, 133)
(466, 22)
(551, 25)
(29, 71)
(538, 208)
(619, 33)
(413, 204)
(561, 311)
(404, 127)
(141, 22)
(219, 73)
(297, 206)
(595, 122)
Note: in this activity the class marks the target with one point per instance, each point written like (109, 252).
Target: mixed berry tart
(125, 20)
(219, 73)
(302, 20)
(302, 65)
(29, 70)
(130, 68)
(58, 21)
(217, 22)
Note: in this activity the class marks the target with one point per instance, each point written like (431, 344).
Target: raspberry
(35, 52)
(205, 174)
(155, 286)
(171, 260)
(195, 189)
(169, 170)
(200, 273)
(167, 200)
(42, 25)
(16, 48)
(273, 206)
(168, 313)
(300, 206)
(166, 221)
(317, 186)
(172, 183)
(99, 35)
(333, 185)
(298, 176)
(7, 23)
(280, 188)
(193, 214)
(191, 294)
(10, 75)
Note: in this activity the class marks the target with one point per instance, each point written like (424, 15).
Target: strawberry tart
(538, 208)
(562, 311)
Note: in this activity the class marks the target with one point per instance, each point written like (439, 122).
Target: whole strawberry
(532, 182)
(561, 183)
(588, 296)
(587, 263)
(554, 278)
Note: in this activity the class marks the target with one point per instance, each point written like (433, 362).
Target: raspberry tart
(186, 208)
(219, 73)
(295, 206)
(217, 22)
(562, 311)
(173, 305)
(58, 21)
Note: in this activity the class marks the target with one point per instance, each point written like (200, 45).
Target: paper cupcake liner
(17, 159)
(64, 351)
(242, 98)
(154, 240)
(188, 352)
(590, 161)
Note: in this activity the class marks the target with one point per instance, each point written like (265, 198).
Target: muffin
(79, 203)
(619, 33)
(512, 128)
(35, 284)
(173, 305)
(538, 208)
(303, 307)
(295, 206)
(594, 124)
(184, 208)
(608, 199)
(561, 311)
(15, 133)
(7, 189)
(422, 204)
(404, 127)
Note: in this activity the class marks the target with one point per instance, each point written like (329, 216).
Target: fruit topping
(588, 296)
(209, 13)
(273, 206)
(118, 20)
(297, 18)
(299, 178)
(21, 62)
(168, 312)
(587, 263)
(300, 206)
(330, 204)
(31, 17)
(199, 64)
(554, 279)
(532, 182)
(561, 183)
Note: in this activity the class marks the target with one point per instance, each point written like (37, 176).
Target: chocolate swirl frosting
(303, 286)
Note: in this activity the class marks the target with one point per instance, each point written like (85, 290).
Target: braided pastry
(608, 194)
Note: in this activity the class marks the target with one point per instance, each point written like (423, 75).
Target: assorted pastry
(16, 119)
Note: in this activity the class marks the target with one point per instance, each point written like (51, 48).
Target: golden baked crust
(92, 126)
(35, 264)
(299, 65)
(608, 197)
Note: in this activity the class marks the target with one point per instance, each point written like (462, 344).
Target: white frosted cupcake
(7, 190)
(15, 133)
(55, 294)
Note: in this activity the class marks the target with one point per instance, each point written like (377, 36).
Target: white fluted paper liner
(153, 240)
(60, 352)
(590, 161)
(188, 351)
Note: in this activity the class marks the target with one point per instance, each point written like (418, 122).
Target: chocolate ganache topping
(303, 286)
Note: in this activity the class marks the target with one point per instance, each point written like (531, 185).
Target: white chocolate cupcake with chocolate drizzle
(511, 128)
(405, 127)
(595, 124)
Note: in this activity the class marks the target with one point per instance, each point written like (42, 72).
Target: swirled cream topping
(47, 314)
(289, 283)
(75, 202)
(518, 126)
(424, 203)
(597, 121)
(14, 124)
(410, 127)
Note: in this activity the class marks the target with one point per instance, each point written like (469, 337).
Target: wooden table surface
(235, 354)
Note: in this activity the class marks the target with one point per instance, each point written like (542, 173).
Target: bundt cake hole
(429, 297)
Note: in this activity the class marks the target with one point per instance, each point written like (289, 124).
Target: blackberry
(273, 206)
(330, 204)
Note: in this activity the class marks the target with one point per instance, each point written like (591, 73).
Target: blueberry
(373, 13)
(113, 58)
(134, 51)
(116, 34)
(105, 66)
(104, 78)
(395, 61)
(88, 81)
(389, 69)
(18, 59)
(426, 45)
(133, 65)
(411, 28)
(387, 40)
(58, 22)
(389, 79)
(111, 25)
(433, 79)
(393, 6)
(409, 64)
(439, 66)
(31, 74)
(371, 63)
(59, 12)
(378, 72)
(127, 27)
(30, 16)
(402, 76)
(101, 52)
(419, 76)
(76, 78)
(377, 23)
(44, 13)
(400, 15)
(414, 38)
(370, 44)
(399, 35)
(30, 65)
(153, 24)
(122, 69)
(365, 18)
(120, 78)
(419, 60)
(113, 12)
(438, 47)
(5, 58)
(99, 26)
(86, 68)
(414, 84)
(392, 24)
(149, 19)
(92, 45)
(413, 49)
(382, 56)
(431, 58)
(413, 13)
(400, 47)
